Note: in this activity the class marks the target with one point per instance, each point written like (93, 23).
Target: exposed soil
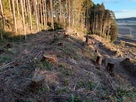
(49, 67)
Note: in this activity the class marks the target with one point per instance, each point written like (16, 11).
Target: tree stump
(99, 60)
(60, 44)
(9, 46)
(56, 37)
(104, 61)
(127, 59)
(2, 51)
(110, 68)
(50, 58)
(87, 39)
(96, 50)
(66, 35)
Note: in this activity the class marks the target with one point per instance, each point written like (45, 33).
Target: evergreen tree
(102, 22)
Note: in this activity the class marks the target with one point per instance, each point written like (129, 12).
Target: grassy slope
(74, 77)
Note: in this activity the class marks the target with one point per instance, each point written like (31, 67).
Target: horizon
(125, 17)
(122, 8)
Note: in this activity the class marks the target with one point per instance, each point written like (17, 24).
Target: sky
(121, 8)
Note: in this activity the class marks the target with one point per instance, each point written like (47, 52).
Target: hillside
(58, 66)
(130, 19)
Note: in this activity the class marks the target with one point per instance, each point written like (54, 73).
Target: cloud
(121, 11)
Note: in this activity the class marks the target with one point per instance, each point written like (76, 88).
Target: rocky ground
(58, 66)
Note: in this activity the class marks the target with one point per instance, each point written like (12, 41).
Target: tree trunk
(66, 12)
(87, 39)
(23, 18)
(2, 13)
(110, 67)
(24, 7)
(30, 15)
(86, 25)
(14, 16)
(69, 16)
(36, 15)
(60, 13)
(17, 8)
(99, 60)
(10, 6)
(52, 21)
(45, 14)
(41, 12)
(73, 18)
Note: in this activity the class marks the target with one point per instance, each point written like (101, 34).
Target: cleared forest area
(50, 66)
(63, 51)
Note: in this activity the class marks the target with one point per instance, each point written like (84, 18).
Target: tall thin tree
(30, 15)
(51, 14)
(69, 13)
(17, 8)
(2, 14)
(23, 18)
(14, 16)
(60, 11)
(45, 14)
(10, 6)
(36, 14)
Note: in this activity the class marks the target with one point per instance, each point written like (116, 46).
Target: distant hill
(130, 18)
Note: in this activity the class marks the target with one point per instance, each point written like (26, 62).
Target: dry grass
(74, 76)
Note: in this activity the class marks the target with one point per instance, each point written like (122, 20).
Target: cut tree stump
(60, 44)
(38, 78)
(127, 59)
(96, 50)
(2, 51)
(9, 46)
(99, 60)
(66, 36)
(54, 39)
(110, 68)
(50, 58)
(87, 39)
(104, 61)
(55, 36)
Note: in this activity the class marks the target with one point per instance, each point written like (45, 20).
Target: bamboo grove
(28, 16)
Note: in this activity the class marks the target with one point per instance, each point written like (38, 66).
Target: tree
(45, 14)
(14, 16)
(30, 14)
(69, 12)
(102, 21)
(23, 17)
(17, 7)
(113, 32)
(2, 14)
(36, 14)
(51, 14)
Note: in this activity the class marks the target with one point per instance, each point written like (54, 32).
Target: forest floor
(53, 67)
